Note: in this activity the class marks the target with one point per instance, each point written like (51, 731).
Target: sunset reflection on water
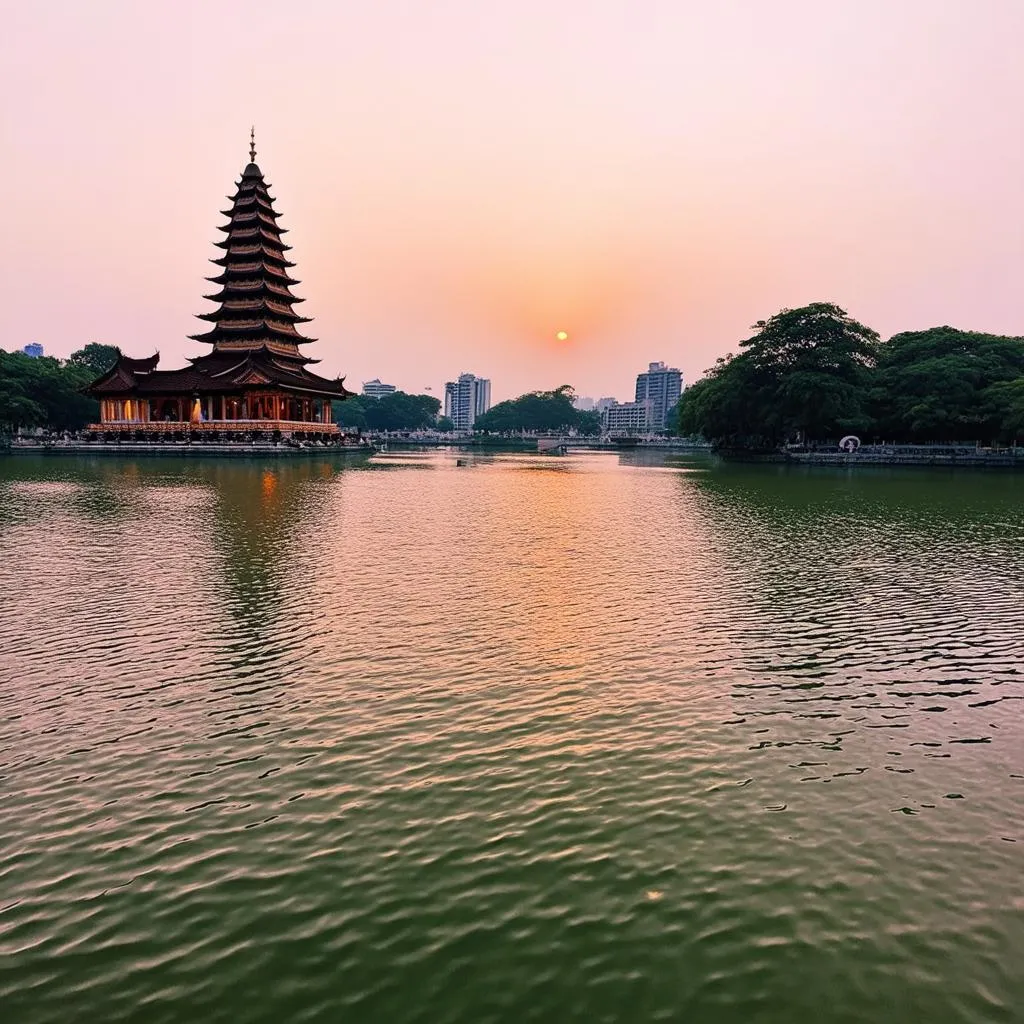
(549, 725)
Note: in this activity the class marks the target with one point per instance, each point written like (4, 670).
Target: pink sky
(464, 178)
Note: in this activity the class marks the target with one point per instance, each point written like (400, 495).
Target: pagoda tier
(248, 205)
(251, 250)
(252, 235)
(290, 361)
(255, 307)
(254, 287)
(247, 271)
(242, 335)
(251, 215)
(254, 304)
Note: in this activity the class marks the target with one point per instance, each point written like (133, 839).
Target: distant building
(375, 389)
(602, 403)
(661, 385)
(34, 350)
(465, 399)
(584, 404)
(628, 417)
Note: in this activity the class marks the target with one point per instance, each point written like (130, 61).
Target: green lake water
(443, 737)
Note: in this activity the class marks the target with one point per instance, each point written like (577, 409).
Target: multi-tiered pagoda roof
(255, 308)
(255, 334)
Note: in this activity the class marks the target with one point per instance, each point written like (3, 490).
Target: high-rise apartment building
(662, 386)
(33, 349)
(375, 389)
(465, 399)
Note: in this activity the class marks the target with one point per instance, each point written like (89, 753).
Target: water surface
(594, 738)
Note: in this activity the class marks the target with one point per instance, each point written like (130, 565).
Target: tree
(806, 372)
(945, 384)
(538, 411)
(720, 406)
(396, 411)
(401, 411)
(1005, 405)
(350, 412)
(96, 357)
(44, 393)
(445, 424)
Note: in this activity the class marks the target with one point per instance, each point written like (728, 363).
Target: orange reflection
(269, 483)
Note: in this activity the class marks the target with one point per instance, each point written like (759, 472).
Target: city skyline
(462, 184)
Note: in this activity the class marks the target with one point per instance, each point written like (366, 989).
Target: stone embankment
(913, 455)
(237, 451)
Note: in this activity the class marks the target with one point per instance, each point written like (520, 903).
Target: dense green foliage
(950, 385)
(397, 411)
(814, 374)
(47, 392)
(539, 411)
(806, 372)
(96, 357)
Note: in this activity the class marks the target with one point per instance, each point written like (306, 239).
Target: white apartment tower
(465, 399)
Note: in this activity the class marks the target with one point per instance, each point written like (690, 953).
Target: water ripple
(597, 738)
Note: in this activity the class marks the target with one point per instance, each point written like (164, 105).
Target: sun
(562, 335)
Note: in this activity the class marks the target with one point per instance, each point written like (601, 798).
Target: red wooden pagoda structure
(255, 381)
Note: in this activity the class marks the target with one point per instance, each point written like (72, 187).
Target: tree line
(394, 411)
(539, 411)
(535, 411)
(47, 392)
(815, 374)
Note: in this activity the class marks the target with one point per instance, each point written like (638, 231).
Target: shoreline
(972, 460)
(187, 450)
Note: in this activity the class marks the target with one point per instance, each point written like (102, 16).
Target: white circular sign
(849, 443)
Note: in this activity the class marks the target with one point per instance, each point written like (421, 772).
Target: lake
(445, 737)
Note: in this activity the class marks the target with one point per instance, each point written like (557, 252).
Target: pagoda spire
(255, 300)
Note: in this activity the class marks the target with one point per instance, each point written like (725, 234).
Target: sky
(463, 179)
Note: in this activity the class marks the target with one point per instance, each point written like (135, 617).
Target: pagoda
(255, 381)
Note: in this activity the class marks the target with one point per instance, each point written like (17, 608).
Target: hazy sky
(464, 178)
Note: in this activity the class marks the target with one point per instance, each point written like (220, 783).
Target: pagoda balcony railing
(213, 426)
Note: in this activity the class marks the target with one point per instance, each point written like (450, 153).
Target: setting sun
(562, 336)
